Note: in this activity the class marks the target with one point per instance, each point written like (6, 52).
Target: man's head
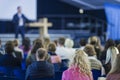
(41, 54)
(19, 10)
(61, 41)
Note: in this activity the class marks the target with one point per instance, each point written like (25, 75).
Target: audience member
(61, 50)
(69, 46)
(95, 41)
(25, 45)
(40, 67)
(82, 43)
(2, 51)
(54, 57)
(108, 43)
(56, 42)
(8, 59)
(31, 56)
(79, 68)
(46, 42)
(114, 73)
(18, 52)
(118, 47)
(110, 57)
(95, 63)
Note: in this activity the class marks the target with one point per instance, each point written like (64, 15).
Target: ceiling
(90, 4)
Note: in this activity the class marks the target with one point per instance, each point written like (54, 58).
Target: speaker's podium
(43, 25)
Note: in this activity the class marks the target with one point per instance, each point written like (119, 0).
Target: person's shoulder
(15, 14)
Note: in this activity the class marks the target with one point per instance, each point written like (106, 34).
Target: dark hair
(38, 39)
(52, 47)
(82, 42)
(109, 43)
(18, 7)
(37, 44)
(41, 52)
(26, 43)
(61, 40)
(9, 47)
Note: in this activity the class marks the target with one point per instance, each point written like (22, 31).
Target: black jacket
(41, 68)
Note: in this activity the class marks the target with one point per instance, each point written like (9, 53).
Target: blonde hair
(111, 55)
(116, 65)
(81, 60)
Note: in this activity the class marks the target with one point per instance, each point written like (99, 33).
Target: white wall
(9, 7)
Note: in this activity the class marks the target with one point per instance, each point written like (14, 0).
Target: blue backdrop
(113, 19)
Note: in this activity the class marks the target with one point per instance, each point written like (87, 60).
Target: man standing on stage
(19, 21)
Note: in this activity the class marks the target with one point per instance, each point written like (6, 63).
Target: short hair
(9, 47)
(16, 43)
(82, 42)
(90, 50)
(69, 43)
(18, 7)
(61, 40)
(41, 53)
(52, 47)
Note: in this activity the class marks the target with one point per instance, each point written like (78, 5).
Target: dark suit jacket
(8, 60)
(16, 19)
(41, 68)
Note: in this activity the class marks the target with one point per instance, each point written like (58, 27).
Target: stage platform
(54, 34)
(6, 37)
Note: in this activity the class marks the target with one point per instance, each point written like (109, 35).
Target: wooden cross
(43, 25)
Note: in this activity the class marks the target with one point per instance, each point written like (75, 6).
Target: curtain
(113, 19)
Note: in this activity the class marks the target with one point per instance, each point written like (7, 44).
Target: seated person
(31, 57)
(8, 59)
(2, 51)
(54, 57)
(79, 68)
(114, 73)
(95, 63)
(40, 67)
(18, 52)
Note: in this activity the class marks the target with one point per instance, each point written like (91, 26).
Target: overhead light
(118, 0)
(81, 11)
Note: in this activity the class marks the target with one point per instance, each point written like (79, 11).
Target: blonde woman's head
(81, 60)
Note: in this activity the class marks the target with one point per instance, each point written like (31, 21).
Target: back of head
(93, 40)
(52, 47)
(16, 43)
(61, 41)
(37, 44)
(41, 53)
(82, 42)
(109, 43)
(89, 49)
(69, 43)
(26, 43)
(46, 42)
(81, 60)
(9, 47)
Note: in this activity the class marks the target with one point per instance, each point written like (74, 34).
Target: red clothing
(74, 74)
(113, 76)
